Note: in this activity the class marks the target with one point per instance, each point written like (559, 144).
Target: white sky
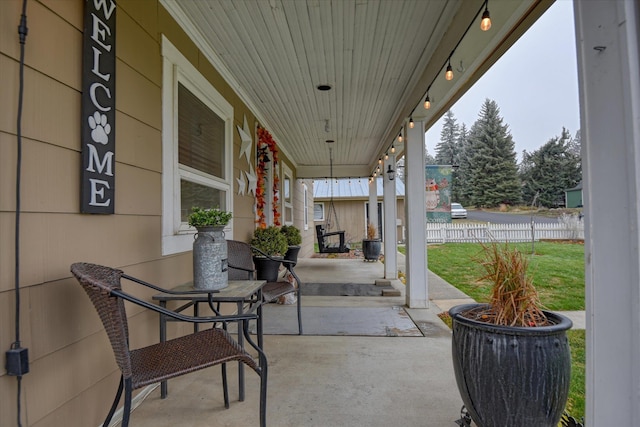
(535, 84)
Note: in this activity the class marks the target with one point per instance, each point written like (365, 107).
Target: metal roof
(351, 188)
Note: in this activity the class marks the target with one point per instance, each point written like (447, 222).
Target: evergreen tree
(493, 172)
(550, 170)
(447, 147)
(461, 167)
(428, 158)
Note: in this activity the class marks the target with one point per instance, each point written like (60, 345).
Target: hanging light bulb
(380, 161)
(427, 102)
(411, 124)
(393, 149)
(375, 174)
(400, 137)
(485, 23)
(386, 156)
(449, 74)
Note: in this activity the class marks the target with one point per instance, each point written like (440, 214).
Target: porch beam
(609, 83)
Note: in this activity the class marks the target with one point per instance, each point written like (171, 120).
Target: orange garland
(266, 142)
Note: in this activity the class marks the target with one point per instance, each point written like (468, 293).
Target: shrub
(270, 241)
(292, 233)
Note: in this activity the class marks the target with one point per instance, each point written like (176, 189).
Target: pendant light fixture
(449, 74)
(485, 23)
(411, 125)
(427, 102)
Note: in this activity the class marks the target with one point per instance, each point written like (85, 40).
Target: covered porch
(332, 380)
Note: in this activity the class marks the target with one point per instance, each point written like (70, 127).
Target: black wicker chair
(240, 262)
(162, 361)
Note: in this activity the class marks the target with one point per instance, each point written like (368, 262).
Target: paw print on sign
(100, 128)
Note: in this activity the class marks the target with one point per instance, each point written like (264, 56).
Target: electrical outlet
(17, 361)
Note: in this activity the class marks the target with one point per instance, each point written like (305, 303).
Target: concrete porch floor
(331, 380)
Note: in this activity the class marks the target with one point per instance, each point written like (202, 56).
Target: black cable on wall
(22, 32)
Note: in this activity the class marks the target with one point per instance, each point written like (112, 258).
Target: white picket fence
(444, 233)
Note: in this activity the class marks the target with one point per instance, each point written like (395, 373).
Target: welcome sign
(98, 110)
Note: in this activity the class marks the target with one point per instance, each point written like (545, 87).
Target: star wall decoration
(247, 141)
(253, 180)
(242, 184)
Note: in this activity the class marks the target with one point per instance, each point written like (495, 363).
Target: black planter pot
(266, 269)
(371, 249)
(292, 254)
(511, 376)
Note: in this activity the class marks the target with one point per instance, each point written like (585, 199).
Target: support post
(607, 41)
(417, 287)
(389, 204)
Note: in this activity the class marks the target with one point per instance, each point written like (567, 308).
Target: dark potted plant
(209, 248)
(294, 238)
(371, 246)
(271, 242)
(511, 359)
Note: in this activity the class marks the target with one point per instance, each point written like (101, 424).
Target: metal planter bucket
(210, 270)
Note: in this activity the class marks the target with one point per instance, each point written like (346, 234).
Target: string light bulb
(400, 137)
(411, 124)
(393, 149)
(449, 74)
(386, 156)
(485, 23)
(427, 102)
(380, 161)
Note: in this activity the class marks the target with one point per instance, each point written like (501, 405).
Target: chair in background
(158, 362)
(240, 262)
(324, 244)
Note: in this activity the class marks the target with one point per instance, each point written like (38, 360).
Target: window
(318, 211)
(287, 199)
(196, 149)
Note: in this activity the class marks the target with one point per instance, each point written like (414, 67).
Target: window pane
(200, 135)
(287, 189)
(318, 212)
(192, 194)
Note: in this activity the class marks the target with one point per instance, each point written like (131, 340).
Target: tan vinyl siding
(73, 375)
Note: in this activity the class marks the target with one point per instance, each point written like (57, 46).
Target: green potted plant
(372, 245)
(511, 358)
(209, 248)
(294, 238)
(201, 218)
(271, 244)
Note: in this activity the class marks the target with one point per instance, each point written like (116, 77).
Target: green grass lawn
(558, 272)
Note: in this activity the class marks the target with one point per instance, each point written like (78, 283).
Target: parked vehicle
(457, 211)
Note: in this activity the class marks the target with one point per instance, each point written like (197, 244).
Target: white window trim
(176, 236)
(305, 208)
(287, 174)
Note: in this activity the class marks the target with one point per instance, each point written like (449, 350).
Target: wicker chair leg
(114, 406)
(263, 390)
(299, 314)
(127, 402)
(225, 389)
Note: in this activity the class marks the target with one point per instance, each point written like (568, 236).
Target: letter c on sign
(92, 91)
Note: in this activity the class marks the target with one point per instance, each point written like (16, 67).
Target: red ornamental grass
(514, 299)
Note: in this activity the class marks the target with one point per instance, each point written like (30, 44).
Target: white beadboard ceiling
(379, 57)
